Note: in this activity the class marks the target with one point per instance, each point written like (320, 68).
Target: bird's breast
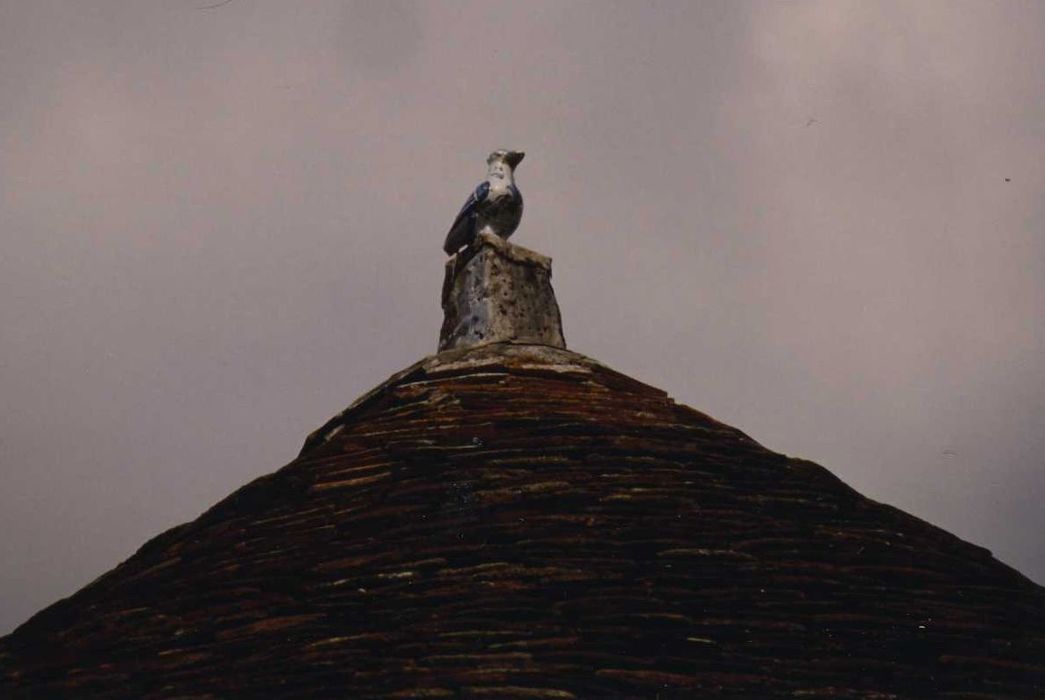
(499, 189)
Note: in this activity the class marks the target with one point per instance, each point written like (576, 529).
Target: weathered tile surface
(522, 522)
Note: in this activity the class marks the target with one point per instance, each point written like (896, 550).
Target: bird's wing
(460, 231)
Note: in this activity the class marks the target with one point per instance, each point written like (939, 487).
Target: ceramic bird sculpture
(496, 205)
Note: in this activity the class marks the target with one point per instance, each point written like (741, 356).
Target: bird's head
(502, 158)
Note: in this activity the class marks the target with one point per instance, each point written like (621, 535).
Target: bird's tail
(459, 236)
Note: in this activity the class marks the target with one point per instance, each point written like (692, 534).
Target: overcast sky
(821, 222)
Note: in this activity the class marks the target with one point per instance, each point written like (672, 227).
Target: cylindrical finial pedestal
(496, 292)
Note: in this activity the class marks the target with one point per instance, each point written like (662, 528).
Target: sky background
(820, 222)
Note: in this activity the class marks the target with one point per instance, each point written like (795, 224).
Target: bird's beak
(514, 158)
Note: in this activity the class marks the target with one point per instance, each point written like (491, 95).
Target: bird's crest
(512, 158)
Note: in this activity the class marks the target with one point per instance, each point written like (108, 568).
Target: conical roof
(508, 519)
(520, 521)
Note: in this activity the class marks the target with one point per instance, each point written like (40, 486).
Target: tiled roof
(523, 522)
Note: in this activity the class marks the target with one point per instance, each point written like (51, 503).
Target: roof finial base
(497, 292)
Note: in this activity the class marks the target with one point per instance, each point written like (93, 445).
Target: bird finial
(495, 206)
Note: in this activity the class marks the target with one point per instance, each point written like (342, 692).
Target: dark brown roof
(523, 522)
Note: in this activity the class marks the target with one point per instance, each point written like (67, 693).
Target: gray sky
(821, 222)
